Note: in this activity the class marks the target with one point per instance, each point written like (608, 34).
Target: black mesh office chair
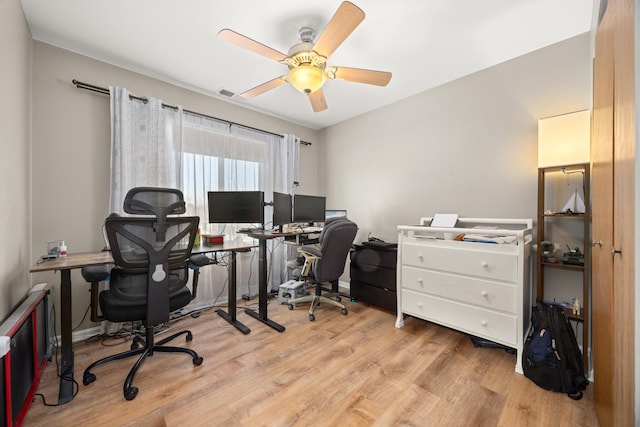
(324, 263)
(149, 280)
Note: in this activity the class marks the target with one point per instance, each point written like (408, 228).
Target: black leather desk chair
(325, 261)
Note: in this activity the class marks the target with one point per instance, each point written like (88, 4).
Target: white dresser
(483, 289)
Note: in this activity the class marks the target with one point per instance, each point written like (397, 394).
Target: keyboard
(312, 229)
(249, 230)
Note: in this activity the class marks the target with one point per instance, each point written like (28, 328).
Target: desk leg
(65, 393)
(262, 292)
(231, 316)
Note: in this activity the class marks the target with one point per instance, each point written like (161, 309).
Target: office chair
(149, 280)
(324, 263)
(94, 274)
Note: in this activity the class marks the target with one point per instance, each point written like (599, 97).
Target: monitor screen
(334, 213)
(282, 209)
(308, 208)
(244, 207)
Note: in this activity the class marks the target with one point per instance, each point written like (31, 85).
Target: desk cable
(76, 387)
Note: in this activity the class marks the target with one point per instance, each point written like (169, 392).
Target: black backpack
(551, 357)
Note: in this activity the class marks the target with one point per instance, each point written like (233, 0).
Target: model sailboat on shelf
(575, 204)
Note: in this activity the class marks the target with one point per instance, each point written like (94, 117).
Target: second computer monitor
(282, 209)
(308, 208)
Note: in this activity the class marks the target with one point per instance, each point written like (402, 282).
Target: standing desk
(262, 237)
(233, 248)
(65, 265)
(79, 260)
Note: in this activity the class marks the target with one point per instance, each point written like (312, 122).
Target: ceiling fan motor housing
(306, 66)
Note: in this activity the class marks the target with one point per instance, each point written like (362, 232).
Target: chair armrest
(313, 250)
(95, 273)
(199, 260)
(309, 258)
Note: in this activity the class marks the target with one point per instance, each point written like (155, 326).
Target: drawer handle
(484, 293)
(420, 281)
(420, 256)
(484, 323)
(484, 264)
(420, 305)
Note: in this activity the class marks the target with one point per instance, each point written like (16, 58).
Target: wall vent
(226, 93)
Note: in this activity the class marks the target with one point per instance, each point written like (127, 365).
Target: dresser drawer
(494, 326)
(384, 278)
(493, 295)
(365, 256)
(462, 259)
(380, 297)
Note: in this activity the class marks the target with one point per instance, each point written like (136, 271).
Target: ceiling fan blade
(359, 75)
(318, 103)
(260, 89)
(344, 21)
(250, 44)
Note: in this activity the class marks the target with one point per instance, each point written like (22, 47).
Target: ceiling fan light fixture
(307, 78)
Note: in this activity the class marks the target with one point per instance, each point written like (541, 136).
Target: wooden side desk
(79, 260)
(65, 265)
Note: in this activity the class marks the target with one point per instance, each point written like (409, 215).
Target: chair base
(147, 349)
(316, 299)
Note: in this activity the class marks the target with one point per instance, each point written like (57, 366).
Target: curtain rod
(105, 91)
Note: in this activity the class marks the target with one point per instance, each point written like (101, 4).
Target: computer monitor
(282, 209)
(334, 213)
(241, 207)
(308, 208)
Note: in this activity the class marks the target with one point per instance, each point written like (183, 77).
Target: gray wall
(467, 147)
(15, 160)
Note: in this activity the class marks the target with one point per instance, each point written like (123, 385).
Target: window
(214, 159)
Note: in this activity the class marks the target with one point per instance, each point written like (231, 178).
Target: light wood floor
(354, 370)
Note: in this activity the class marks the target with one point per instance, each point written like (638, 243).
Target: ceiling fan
(307, 60)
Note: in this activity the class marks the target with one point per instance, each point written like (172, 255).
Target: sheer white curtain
(282, 173)
(146, 145)
(218, 156)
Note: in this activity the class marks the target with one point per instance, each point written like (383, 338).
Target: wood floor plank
(354, 370)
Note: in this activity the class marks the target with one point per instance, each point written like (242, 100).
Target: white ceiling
(424, 43)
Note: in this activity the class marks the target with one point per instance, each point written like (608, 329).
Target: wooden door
(602, 224)
(613, 255)
(624, 235)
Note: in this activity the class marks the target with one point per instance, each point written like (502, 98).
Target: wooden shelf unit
(544, 221)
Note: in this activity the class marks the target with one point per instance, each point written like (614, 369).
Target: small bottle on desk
(63, 249)
(196, 242)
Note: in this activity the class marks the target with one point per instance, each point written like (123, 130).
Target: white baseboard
(81, 335)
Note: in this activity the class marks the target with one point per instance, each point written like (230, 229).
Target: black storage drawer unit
(373, 275)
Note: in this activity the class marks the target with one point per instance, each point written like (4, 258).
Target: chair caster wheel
(338, 299)
(131, 393)
(312, 317)
(88, 378)
(134, 345)
(189, 336)
(290, 306)
(344, 311)
(197, 361)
